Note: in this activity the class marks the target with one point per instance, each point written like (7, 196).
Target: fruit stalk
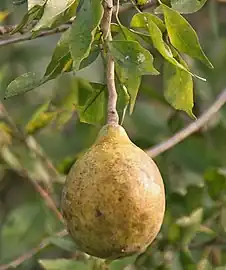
(112, 115)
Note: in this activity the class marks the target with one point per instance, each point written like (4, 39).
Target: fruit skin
(113, 200)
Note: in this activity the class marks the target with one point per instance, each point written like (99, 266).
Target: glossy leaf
(161, 46)
(140, 20)
(182, 36)
(56, 13)
(60, 264)
(83, 30)
(187, 6)
(133, 62)
(178, 87)
(22, 84)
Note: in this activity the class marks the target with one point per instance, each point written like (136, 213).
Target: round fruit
(113, 201)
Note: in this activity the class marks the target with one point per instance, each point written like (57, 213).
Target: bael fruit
(113, 200)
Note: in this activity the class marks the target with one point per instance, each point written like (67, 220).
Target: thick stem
(112, 115)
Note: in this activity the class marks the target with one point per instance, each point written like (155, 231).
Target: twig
(26, 37)
(32, 146)
(48, 200)
(44, 243)
(30, 143)
(112, 115)
(191, 128)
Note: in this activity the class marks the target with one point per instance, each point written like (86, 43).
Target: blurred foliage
(193, 235)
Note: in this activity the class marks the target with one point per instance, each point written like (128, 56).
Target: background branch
(191, 128)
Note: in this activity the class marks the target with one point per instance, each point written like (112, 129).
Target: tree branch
(33, 147)
(44, 243)
(191, 128)
(112, 115)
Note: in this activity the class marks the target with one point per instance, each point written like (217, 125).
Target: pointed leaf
(65, 264)
(23, 84)
(133, 61)
(56, 13)
(178, 87)
(187, 6)
(83, 30)
(139, 20)
(61, 59)
(160, 45)
(182, 36)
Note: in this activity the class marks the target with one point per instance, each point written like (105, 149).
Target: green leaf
(216, 182)
(56, 13)
(187, 260)
(122, 263)
(182, 36)
(40, 119)
(64, 264)
(94, 110)
(139, 20)
(23, 84)
(83, 30)
(61, 59)
(24, 227)
(133, 61)
(178, 87)
(190, 225)
(187, 6)
(65, 243)
(35, 12)
(160, 45)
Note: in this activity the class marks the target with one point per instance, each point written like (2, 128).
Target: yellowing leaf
(3, 15)
(40, 119)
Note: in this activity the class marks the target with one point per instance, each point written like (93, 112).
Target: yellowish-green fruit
(113, 201)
